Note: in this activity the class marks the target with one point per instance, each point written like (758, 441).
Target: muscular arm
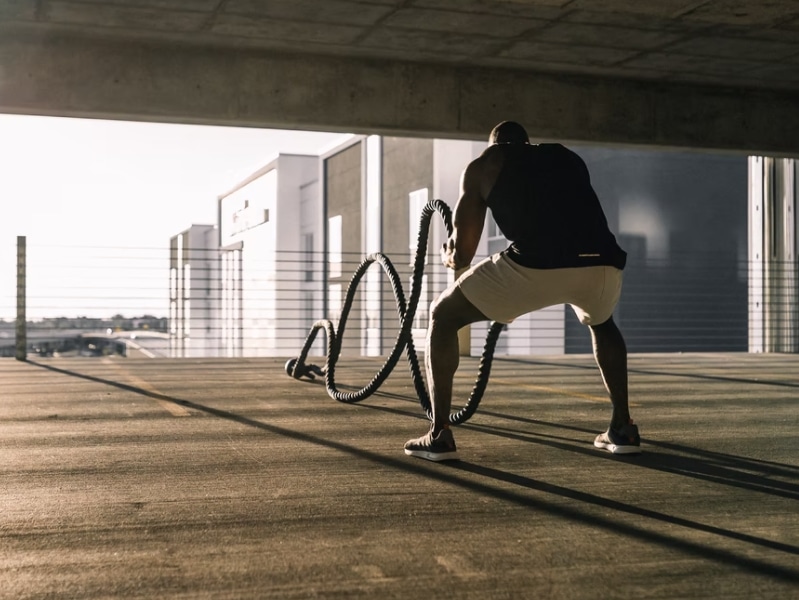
(470, 212)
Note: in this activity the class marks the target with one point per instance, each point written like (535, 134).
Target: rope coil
(297, 368)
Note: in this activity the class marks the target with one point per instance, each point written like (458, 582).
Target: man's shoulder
(486, 155)
(481, 163)
(492, 156)
(482, 172)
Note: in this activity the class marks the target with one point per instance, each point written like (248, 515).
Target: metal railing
(131, 301)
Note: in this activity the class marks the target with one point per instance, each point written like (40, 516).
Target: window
(421, 316)
(416, 204)
(334, 302)
(173, 317)
(173, 283)
(187, 280)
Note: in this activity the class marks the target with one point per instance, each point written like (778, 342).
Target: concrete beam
(148, 80)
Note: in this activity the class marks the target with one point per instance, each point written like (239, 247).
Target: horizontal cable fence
(83, 300)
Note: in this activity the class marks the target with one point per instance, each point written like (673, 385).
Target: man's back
(543, 202)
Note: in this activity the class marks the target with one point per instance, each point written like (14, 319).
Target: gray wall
(407, 166)
(682, 217)
(343, 192)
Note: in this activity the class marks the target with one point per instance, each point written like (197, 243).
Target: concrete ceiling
(739, 46)
(726, 42)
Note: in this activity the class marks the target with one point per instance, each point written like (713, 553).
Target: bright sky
(77, 182)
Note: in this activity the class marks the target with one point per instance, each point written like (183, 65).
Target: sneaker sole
(614, 449)
(434, 456)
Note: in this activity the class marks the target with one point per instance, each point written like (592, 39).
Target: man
(561, 252)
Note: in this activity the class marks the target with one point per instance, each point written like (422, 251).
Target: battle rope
(297, 368)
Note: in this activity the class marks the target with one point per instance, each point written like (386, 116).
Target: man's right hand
(448, 254)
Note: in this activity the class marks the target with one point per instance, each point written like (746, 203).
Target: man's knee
(605, 326)
(453, 309)
(607, 335)
(441, 310)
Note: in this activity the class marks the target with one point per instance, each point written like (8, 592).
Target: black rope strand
(297, 368)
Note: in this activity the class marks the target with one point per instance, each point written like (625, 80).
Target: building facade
(270, 230)
(291, 236)
(193, 292)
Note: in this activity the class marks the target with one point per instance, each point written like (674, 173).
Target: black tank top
(544, 204)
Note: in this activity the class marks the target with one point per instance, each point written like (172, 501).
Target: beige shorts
(503, 290)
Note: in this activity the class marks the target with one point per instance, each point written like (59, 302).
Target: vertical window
(173, 283)
(187, 280)
(179, 276)
(334, 301)
(416, 204)
(173, 316)
(421, 316)
(334, 246)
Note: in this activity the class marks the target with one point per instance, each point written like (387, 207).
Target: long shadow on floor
(716, 467)
(480, 481)
(592, 367)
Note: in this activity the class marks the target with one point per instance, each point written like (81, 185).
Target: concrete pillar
(773, 248)
(372, 241)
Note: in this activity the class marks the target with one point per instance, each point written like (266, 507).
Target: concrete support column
(773, 250)
(372, 240)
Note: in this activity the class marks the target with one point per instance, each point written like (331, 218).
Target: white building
(292, 234)
(194, 292)
(270, 239)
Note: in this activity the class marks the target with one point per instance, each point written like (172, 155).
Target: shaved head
(508, 132)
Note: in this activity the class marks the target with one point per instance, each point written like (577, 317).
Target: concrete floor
(136, 478)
